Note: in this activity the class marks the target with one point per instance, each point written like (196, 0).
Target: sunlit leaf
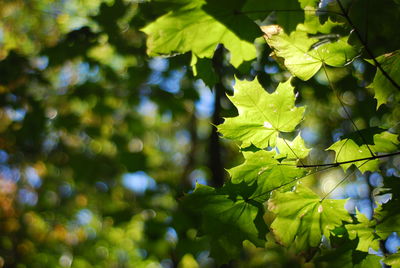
(364, 230)
(301, 58)
(199, 26)
(353, 147)
(267, 172)
(302, 217)
(295, 149)
(393, 260)
(261, 115)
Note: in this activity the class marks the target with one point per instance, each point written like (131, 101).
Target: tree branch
(215, 149)
(289, 10)
(336, 164)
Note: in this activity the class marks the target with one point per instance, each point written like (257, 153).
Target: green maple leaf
(304, 61)
(295, 149)
(199, 26)
(365, 232)
(382, 87)
(393, 260)
(353, 147)
(261, 115)
(347, 150)
(302, 217)
(262, 168)
(228, 216)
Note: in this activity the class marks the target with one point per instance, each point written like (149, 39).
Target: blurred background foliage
(98, 142)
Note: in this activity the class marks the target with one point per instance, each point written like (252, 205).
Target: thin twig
(340, 182)
(292, 181)
(298, 158)
(345, 110)
(349, 161)
(363, 42)
(289, 10)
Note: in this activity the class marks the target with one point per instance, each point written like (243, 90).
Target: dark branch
(349, 161)
(288, 10)
(215, 148)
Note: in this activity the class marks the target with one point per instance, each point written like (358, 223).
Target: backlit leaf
(199, 26)
(365, 232)
(353, 147)
(261, 115)
(295, 149)
(302, 217)
(393, 260)
(301, 58)
(261, 167)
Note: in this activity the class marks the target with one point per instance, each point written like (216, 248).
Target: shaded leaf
(228, 218)
(382, 87)
(379, 39)
(203, 69)
(389, 224)
(345, 257)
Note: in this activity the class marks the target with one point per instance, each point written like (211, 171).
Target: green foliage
(267, 123)
(393, 260)
(262, 168)
(302, 59)
(382, 87)
(229, 215)
(364, 231)
(354, 147)
(182, 29)
(262, 116)
(350, 258)
(302, 217)
(100, 145)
